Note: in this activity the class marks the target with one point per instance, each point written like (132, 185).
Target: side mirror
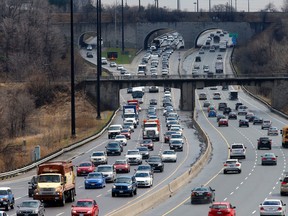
(72, 205)
(29, 182)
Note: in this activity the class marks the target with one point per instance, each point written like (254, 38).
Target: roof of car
(5, 188)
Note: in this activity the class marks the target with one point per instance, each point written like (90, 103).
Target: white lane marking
(96, 146)
(241, 183)
(254, 212)
(225, 199)
(99, 195)
(232, 193)
(60, 213)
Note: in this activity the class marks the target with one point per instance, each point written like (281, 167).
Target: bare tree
(284, 8)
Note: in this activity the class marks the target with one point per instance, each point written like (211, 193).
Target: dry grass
(51, 129)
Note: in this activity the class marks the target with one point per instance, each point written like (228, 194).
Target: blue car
(95, 180)
(212, 113)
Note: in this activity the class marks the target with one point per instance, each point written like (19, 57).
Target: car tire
(7, 207)
(239, 171)
(113, 194)
(282, 193)
(132, 194)
(225, 172)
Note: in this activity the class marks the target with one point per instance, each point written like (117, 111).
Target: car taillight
(237, 164)
(208, 194)
(263, 159)
(261, 209)
(225, 164)
(283, 183)
(274, 159)
(279, 208)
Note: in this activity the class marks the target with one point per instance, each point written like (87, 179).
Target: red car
(84, 168)
(126, 133)
(223, 122)
(147, 143)
(122, 166)
(222, 208)
(87, 207)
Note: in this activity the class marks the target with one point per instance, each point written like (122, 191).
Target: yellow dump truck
(55, 182)
(284, 133)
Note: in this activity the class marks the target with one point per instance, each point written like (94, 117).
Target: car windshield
(84, 204)
(31, 204)
(143, 149)
(144, 167)
(3, 192)
(114, 128)
(176, 136)
(145, 141)
(142, 175)
(237, 146)
(176, 142)
(154, 159)
(123, 180)
(94, 175)
(230, 162)
(98, 154)
(120, 162)
(113, 145)
(124, 130)
(219, 206)
(85, 164)
(201, 189)
(271, 202)
(132, 152)
(49, 178)
(269, 155)
(120, 137)
(104, 169)
(168, 152)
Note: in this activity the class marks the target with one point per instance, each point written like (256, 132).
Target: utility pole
(248, 5)
(99, 55)
(139, 5)
(73, 130)
(209, 5)
(178, 5)
(197, 5)
(122, 26)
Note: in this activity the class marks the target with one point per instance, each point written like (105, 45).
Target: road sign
(233, 35)
(234, 40)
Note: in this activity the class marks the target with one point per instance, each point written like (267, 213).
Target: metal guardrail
(5, 175)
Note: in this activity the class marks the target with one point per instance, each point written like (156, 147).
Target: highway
(246, 190)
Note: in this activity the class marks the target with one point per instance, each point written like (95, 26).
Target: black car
(153, 102)
(144, 151)
(202, 195)
(153, 89)
(114, 148)
(32, 186)
(129, 90)
(243, 123)
(167, 89)
(124, 185)
(237, 105)
(264, 142)
(226, 110)
(155, 161)
(225, 87)
(257, 120)
(222, 106)
(232, 115)
(176, 144)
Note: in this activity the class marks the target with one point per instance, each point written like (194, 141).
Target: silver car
(31, 207)
(272, 207)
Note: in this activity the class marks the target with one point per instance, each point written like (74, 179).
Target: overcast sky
(188, 5)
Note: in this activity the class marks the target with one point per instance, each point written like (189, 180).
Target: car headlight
(114, 186)
(159, 164)
(130, 186)
(86, 182)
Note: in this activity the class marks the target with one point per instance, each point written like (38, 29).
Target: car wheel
(113, 194)
(132, 194)
(239, 171)
(225, 172)
(282, 193)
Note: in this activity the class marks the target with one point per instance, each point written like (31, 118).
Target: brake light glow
(225, 164)
(283, 183)
(237, 164)
(261, 209)
(279, 208)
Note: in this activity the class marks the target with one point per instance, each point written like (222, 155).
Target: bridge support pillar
(187, 100)
(279, 94)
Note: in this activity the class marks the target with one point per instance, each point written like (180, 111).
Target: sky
(188, 5)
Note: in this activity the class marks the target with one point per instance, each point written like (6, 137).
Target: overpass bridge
(110, 86)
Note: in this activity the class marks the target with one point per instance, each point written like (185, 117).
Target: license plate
(92, 184)
(120, 191)
(81, 214)
(219, 213)
(120, 169)
(26, 214)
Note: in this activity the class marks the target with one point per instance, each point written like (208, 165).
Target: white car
(237, 150)
(122, 139)
(177, 136)
(272, 207)
(108, 171)
(202, 96)
(120, 67)
(169, 155)
(99, 157)
(134, 157)
(232, 165)
(242, 110)
(216, 96)
(144, 178)
(104, 61)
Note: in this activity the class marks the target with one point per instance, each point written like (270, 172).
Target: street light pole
(248, 6)
(209, 5)
(197, 5)
(122, 25)
(99, 55)
(73, 130)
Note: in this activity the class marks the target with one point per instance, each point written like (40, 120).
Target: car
(121, 138)
(284, 186)
(211, 107)
(153, 101)
(124, 185)
(30, 207)
(144, 178)
(169, 156)
(219, 57)
(272, 207)
(202, 96)
(113, 64)
(222, 208)
(104, 61)
(108, 171)
(167, 136)
(213, 88)
(249, 116)
(212, 113)
(121, 165)
(126, 132)
(237, 150)
(153, 89)
(220, 116)
(225, 87)
(144, 151)
(89, 55)
(212, 49)
(232, 165)
(3, 213)
(264, 142)
(269, 159)
(243, 122)
(216, 96)
(7, 199)
(99, 157)
(127, 74)
(206, 103)
(242, 110)
(114, 130)
(119, 67)
(114, 148)
(202, 194)
(84, 168)
(222, 106)
(198, 59)
(206, 68)
(273, 131)
(232, 115)
(176, 144)
(145, 167)
(196, 66)
(95, 180)
(266, 124)
(86, 207)
(201, 51)
(89, 47)
(147, 143)
(32, 186)
(257, 120)
(237, 105)
(226, 110)
(223, 122)
(155, 161)
(133, 156)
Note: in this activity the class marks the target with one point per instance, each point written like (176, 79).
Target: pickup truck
(124, 185)
(6, 198)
